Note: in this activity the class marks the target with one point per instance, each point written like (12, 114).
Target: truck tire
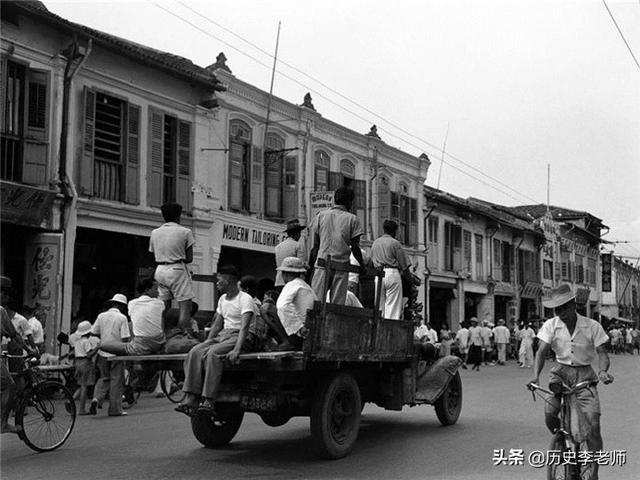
(449, 404)
(275, 419)
(218, 431)
(335, 416)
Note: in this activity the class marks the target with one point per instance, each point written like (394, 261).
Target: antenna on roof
(273, 74)
(444, 147)
(548, 184)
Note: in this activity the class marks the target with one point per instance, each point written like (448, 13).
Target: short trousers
(85, 372)
(174, 281)
(144, 345)
(587, 397)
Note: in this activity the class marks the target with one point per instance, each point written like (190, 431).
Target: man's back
(386, 251)
(146, 316)
(169, 242)
(111, 326)
(336, 227)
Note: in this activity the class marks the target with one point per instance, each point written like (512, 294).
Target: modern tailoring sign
(26, 205)
(320, 200)
(234, 235)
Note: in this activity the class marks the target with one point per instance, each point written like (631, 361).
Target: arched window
(239, 165)
(321, 174)
(384, 201)
(348, 171)
(277, 181)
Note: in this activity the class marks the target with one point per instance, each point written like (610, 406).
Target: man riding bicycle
(576, 340)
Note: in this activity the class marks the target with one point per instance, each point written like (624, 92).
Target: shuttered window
(479, 244)
(384, 202)
(432, 244)
(274, 181)
(24, 140)
(321, 170)
(452, 247)
(170, 158)
(466, 238)
(109, 164)
(239, 165)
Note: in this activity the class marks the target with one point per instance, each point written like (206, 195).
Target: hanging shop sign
(320, 200)
(25, 205)
(606, 272)
(252, 238)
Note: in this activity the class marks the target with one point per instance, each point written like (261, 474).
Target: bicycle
(562, 440)
(171, 385)
(45, 410)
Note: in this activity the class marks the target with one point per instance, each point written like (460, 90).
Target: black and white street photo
(387, 239)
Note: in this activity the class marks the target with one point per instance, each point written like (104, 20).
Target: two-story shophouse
(97, 133)
(620, 289)
(573, 238)
(275, 160)
(482, 262)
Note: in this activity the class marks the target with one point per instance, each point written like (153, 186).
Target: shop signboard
(250, 237)
(320, 200)
(606, 272)
(25, 205)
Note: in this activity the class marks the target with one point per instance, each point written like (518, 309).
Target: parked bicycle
(568, 463)
(171, 385)
(45, 411)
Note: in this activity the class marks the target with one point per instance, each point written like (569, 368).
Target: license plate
(258, 402)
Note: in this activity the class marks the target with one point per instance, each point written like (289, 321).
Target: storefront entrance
(439, 307)
(250, 262)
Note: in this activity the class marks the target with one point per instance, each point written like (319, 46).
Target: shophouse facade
(620, 291)
(482, 262)
(108, 132)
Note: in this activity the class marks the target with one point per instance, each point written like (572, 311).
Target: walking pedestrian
(172, 246)
(85, 348)
(110, 326)
(475, 344)
(445, 340)
(291, 246)
(526, 346)
(487, 342)
(37, 328)
(501, 336)
(336, 235)
(387, 253)
(462, 339)
(635, 339)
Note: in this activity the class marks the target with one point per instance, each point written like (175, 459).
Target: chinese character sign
(606, 272)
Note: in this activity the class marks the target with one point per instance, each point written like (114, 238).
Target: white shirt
(295, 299)
(21, 325)
(288, 248)
(463, 337)
(170, 241)
(577, 349)
(233, 309)
(146, 316)
(36, 328)
(111, 326)
(475, 336)
(501, 334)
(83, 345)
(351, 300)
(527, 335)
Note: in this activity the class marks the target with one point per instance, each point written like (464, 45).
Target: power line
(344, 97)
(621, 34)
(350, 111)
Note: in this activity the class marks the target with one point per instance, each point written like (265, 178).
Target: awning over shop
(504, 289)
(532, 290)
(623, 320)
(442, 283)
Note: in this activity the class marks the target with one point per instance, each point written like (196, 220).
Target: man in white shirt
(293, 302)
(172, 247)
(228, 338)
(110, 326)
(289, 247)
(146, 321)
(462, 338)
(501, 336)
(487, 342)
(36, 327)
(576, 340)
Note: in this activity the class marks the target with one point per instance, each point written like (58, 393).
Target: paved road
(153, 442)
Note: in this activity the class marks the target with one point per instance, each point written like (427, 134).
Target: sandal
(207, 408)
(188, 410)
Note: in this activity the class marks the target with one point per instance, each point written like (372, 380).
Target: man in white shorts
(172, 246)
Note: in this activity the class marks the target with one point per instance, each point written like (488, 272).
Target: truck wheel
(449, 404)
(335, 416)
(218, 431)
(274, 419)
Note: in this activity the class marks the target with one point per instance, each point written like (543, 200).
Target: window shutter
(413, 222)
(156, 147)
(183, 172)
(290, 200)
(384, 206)
(86, 159)
(336, 180)
(36, 141)
(3, 90)
(236, 155)
(274, 186)
(257, 175)
(360, 203)
(132, 193)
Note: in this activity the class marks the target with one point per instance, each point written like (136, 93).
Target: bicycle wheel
(560, 470)
(131, 393)
(171, 385)
(47, 414)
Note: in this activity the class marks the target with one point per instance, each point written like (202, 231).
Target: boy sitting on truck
(228, 338)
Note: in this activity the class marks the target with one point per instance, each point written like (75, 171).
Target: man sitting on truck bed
(228, 338)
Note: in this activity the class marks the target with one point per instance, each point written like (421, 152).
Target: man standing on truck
(228, 338)
(290, 247)
(387, 253)
(336, 234)
(172, 246)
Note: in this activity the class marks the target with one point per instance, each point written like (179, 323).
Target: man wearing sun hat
(290, 247)
(576, 340)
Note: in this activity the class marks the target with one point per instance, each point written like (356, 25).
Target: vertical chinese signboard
(42, 258)
(606, 272)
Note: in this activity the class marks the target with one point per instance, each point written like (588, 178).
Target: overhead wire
(613, 19)
(242, 52)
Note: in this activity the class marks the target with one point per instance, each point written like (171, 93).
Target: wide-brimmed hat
(559, 296)
(292, 264)
(119, 298)
(293, 225)
(473, 320)
(84, 327)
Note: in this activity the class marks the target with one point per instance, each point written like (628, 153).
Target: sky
(509, 87)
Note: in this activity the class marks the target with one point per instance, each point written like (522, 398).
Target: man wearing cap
(290, 247)
(387, 253)
(501, 335)
(576, 340)
(295, 299)
(337, 234)
(110, 326)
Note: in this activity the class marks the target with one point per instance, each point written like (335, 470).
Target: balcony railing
(107, 180)
(11, 155)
